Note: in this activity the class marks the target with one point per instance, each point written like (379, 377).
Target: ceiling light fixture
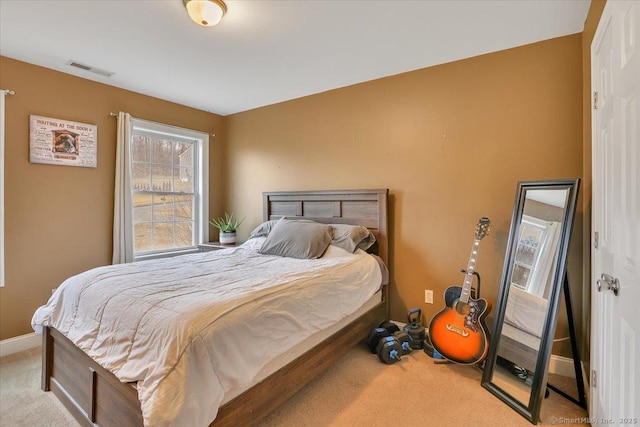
(205, 12)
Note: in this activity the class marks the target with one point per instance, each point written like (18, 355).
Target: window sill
(166, 254)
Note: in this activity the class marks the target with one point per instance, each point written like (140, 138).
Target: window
(526, 253)
(169, 191)
(533, 261)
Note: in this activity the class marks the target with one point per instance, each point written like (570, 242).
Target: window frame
(3, 94)
(546, 245)
(200, 182)
(529, 223)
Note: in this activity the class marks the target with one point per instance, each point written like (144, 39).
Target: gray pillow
(352, 237)
(263, 229)
(301, 239)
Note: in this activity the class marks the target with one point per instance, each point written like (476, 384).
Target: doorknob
(608, 282)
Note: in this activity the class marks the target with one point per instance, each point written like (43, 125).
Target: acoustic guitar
(458, 332)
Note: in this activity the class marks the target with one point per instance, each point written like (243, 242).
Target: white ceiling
(267, 51)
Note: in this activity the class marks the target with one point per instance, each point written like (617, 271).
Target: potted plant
(227, 226)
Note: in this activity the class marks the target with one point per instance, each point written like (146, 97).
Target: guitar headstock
(482, 227)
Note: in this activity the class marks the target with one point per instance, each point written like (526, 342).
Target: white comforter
(189, 328)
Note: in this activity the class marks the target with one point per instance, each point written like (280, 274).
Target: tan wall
(450, 142)
(59, 219)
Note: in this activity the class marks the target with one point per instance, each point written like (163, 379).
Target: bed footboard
(91, 393)
(94, 396)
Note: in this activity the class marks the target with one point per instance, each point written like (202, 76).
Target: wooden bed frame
(517, 353)
(95, 396)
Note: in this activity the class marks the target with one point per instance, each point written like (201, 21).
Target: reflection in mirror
(529, 290)
(516, 368)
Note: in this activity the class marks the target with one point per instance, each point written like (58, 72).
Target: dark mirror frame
(538, 386)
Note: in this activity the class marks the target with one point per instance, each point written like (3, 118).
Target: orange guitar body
(458, 332)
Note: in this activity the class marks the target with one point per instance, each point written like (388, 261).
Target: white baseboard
(559, 365)
(562, 366)
(21, 343)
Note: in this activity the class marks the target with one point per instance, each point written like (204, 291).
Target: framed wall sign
(61, 142)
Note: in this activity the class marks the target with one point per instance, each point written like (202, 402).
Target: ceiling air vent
(95, 70)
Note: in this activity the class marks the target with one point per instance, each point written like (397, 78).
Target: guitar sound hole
(461, 308)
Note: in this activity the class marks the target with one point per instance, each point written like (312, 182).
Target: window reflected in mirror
(534, 255)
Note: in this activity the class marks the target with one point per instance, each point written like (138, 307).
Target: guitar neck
(468, 277)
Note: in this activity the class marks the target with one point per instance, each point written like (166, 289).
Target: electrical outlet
(428, 296)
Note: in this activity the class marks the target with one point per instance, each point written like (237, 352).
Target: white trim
(2, 99)
(203, 213)
(166, 254)
(561, 365)
(20, 343)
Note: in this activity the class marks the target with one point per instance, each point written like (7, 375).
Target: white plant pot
(227, 237)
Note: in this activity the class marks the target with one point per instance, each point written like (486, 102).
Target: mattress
(526, 311)
(194, 330)
(300, 348)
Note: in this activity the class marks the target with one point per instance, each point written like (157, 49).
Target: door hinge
(595, 100)
(596, 239)
(594, 378)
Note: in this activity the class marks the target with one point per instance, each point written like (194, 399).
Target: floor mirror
(532, 282)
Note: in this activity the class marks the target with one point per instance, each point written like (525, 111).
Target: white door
(615, 319)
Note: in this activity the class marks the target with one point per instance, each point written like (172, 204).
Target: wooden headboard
(357, 207)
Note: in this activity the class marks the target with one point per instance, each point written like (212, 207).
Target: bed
(95, 396)
(522, 328)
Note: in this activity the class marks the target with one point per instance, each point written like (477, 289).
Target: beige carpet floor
(356, 391)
